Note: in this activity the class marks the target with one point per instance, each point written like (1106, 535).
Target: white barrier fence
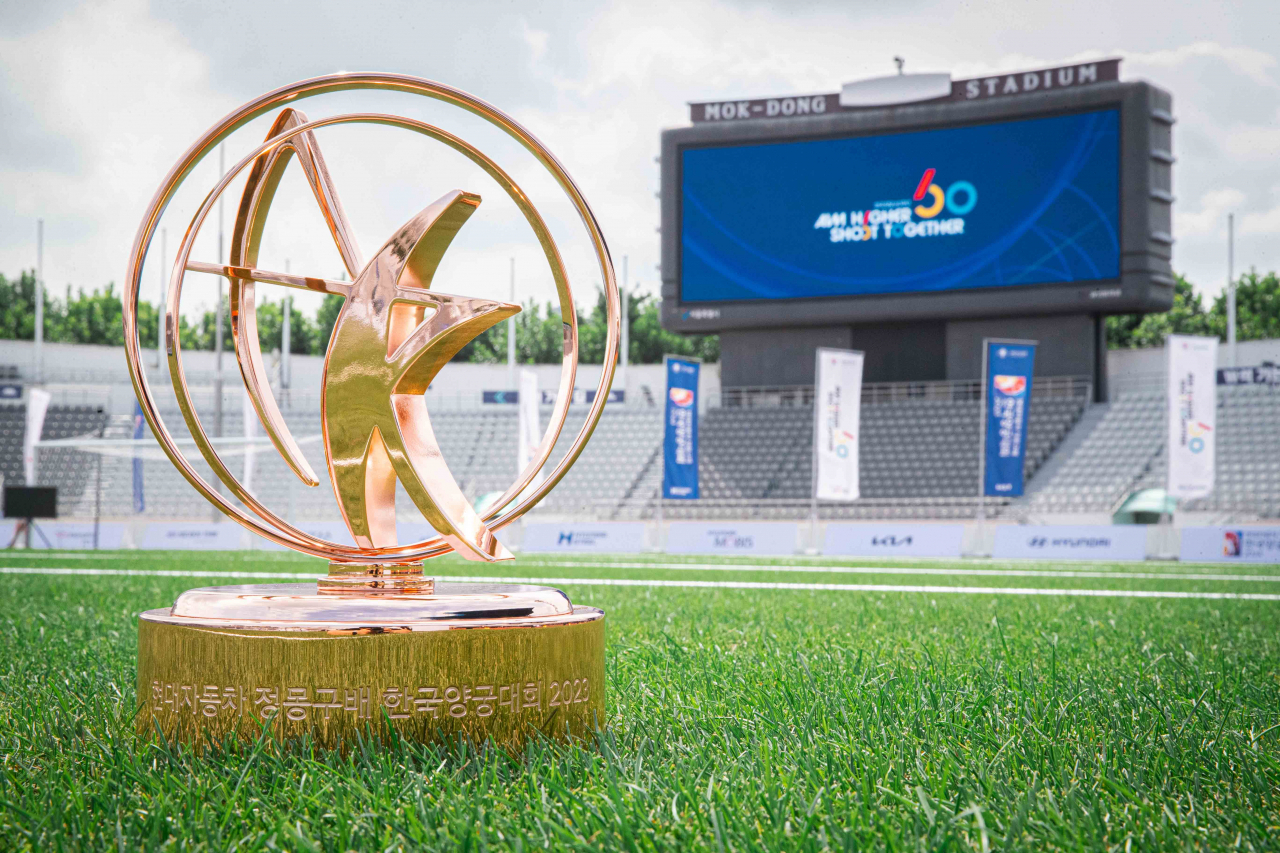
(1113, 543)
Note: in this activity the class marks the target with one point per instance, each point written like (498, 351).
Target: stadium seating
(919, 460)
(62, 467)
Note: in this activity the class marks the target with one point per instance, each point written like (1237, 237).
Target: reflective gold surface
(410, 456)
(200, 683)
(376, 644)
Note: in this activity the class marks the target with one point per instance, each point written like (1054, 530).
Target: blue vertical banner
(139, 432)
(1008, 401)
(680, 430)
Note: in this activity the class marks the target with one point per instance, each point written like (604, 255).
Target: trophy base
(483, 661)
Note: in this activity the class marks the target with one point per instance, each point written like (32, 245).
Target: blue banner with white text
(139, 432)
(680, 431)
(1009, 368)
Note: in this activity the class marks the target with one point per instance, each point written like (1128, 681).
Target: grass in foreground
(738, 720)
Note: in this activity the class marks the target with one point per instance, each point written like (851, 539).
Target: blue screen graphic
(1035, 201)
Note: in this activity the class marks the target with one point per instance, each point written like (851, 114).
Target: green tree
(326, 318)
(650, 341)
(1257, 308)
(1187, 317)
(18, 307)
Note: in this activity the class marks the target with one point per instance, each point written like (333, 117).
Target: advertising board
(1230, 545)
(1071, 542)
(334, 531)
(893, 540)
(614, 537)
(192, 536)
(729, 538)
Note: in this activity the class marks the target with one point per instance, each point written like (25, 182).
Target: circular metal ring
(284, 533)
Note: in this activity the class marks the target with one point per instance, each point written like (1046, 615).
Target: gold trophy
(376, 645)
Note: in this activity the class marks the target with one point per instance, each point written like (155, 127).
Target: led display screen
(1010, 203)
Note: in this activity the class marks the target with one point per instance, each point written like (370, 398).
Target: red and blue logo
(1010, 386)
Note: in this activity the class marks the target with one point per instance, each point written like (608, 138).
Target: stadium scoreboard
(1036, 193)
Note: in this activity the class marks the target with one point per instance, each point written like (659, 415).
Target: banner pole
(813, 456)
(982, 451)
(662, 483)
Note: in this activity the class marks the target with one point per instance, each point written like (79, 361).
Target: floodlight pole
(285, 337)
(162, 315)
(1231, 288)
(982, 450)
(511, 334)
(626, 325)
(217, 326)
(217, 323)
(38, 354)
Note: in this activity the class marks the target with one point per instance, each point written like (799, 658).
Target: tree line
(1257, 315)
(96, 317)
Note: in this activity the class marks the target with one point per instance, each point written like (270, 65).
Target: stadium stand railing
(919, 455)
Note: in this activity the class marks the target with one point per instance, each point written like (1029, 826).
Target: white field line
(753, 567)
(800, 566)
(903, 570)
(692, 584)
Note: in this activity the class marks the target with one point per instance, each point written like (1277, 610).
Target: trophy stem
(375, 579)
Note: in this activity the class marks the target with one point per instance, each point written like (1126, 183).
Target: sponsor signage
(615, 537)
(893, 540)
(10, 391)
(680, 430)
(1230, 545)
(1193, 404)
(1072, 542)
(333, 531)
(974, 89)
(1008, 369)
(1266, 374)
(77, 536)
(192, 536)
(836, 414)
(762, 538)
(500, 397)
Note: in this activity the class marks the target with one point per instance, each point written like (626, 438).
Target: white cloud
(1259, 66)
(1210, 220)
(130, 94)
(117, 89)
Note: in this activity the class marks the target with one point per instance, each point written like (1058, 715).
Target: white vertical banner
(250, 433)
(530, 428)
(37, 405)
(1193, 404)
(836, 412)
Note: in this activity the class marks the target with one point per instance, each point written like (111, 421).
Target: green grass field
(909, 716)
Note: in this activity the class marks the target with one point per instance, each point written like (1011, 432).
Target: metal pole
(626, 325)
(97, 495)
(285, 336)
(217, 328)
(1231, 288)
(38, 354)
(511, 334)
(982, 450)
(162, 315)
(813, 455)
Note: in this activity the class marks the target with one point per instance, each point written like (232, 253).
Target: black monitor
(30, 502)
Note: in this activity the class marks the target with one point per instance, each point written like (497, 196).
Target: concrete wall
(1130, 368)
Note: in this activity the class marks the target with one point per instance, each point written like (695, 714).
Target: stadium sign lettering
(979, 88)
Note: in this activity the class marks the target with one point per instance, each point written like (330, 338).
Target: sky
(99, 99)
